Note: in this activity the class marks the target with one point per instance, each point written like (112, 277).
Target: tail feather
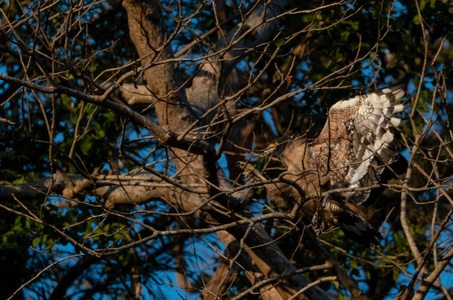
(352, 224)
(360, 231)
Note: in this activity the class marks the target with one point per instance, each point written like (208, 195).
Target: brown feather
(353, 149)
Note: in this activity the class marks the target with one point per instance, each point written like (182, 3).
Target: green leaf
(336, 284)
(422, 4)
(110, 116)
(66, 100)
(85, 145)
(49, 245)
(19, 181)
(36, 241)
(17, 229)
(100, 133)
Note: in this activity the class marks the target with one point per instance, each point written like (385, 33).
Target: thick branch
(237, 259)
(272, 263)
(255, 30)
(113, 189)
(147, 32)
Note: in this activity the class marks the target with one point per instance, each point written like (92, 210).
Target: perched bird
(346, 159)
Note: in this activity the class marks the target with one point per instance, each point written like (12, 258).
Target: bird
(343, 163)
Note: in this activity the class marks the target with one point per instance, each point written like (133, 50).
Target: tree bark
(148, 35)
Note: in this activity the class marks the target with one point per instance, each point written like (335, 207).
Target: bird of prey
(344, 161)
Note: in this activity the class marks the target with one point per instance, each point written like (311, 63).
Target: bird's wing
(360, 138)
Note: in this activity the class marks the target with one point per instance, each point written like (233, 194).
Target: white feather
(395, 121)
(399, 108)
(359, 170)
(399, 94)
